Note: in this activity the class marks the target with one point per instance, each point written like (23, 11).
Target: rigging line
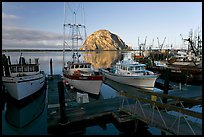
(70, 8)
(78, 7)
(83, 11)
(65, 12)
(82, 14)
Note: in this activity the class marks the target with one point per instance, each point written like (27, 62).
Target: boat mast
(75, 36)
(64, 35)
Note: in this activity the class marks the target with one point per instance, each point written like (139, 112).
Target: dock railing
(156, 113)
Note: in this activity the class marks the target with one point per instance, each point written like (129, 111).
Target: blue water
(108, 90)
(29, 119)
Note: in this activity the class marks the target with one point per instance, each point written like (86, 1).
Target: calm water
(36, 121)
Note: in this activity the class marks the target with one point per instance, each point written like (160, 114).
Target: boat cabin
(24, 68)
(131, 67)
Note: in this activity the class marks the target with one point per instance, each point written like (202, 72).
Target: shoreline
(60, 50)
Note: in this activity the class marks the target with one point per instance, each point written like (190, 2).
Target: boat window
(76, 66)
(36, 68)
(19, 69)
(25, 69)
(131, 68)
(141, 68)
(72, 66)
(88, 66)
(80, 66)
(30, 68)
(13, 69)
(137, 68)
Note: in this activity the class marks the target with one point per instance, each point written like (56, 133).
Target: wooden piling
(9, 60)
(166, 84)
(2, 97)
(63, 118)
(51, 70)
(165, 91)
(5, 64)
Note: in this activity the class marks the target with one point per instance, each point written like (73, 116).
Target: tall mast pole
(64, 35)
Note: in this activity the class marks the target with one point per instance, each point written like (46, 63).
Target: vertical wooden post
(9, 60)
(2, 97)
(166, 84)
(166, 87)
(51, 71)
(5, 64)
(63, 118)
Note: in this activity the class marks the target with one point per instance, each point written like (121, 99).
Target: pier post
(63, 118)
(166, 87)
(2, 97)
(5, 64)
(9, 60)
(51, 72)
(166, 84)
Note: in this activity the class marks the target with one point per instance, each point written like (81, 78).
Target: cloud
(7, 16)
(17, 37)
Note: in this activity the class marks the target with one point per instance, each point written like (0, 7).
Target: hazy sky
(39, 25)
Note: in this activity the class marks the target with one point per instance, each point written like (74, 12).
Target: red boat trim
(84, 77)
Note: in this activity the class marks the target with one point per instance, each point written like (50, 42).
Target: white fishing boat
(78, 73)
(82, 76)
(23, 79)
(131, 73)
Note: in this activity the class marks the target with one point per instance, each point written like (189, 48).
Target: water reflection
(24, 119)
(102, 59)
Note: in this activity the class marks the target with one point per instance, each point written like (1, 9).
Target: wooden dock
(80, 116)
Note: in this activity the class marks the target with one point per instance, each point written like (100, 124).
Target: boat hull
(144, 82)
(88, 84)
(22, 87)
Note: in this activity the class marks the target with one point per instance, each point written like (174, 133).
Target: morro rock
(103, 40)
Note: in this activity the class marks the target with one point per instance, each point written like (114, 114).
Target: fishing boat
(131, 73)
(77, 73)
(82, 76)
(23, 79)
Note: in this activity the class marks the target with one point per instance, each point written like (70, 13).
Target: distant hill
(104, 40)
